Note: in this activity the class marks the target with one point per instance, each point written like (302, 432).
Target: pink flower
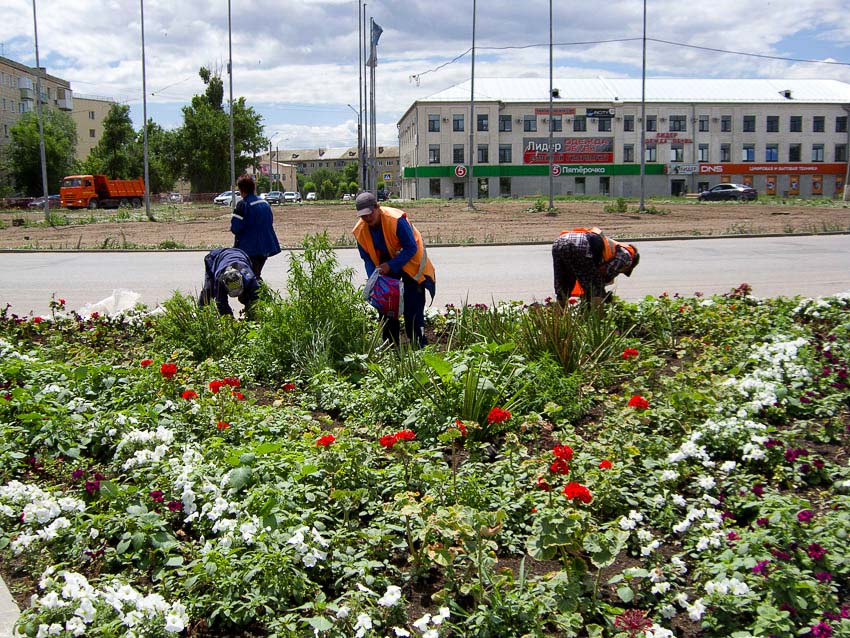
(157, 496)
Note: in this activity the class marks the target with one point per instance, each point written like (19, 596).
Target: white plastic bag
(118, 302)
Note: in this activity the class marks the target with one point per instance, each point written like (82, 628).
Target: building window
(433, 123)
(580, 123)
(483, 154)
(457, 123)
(678, 123)
(677, 152)
(772, 124)
(459, 190)
(505, 124)
(795, 152)
(702, 153)
(650, 153)
(817, 152)
(505, 154)
(434, 187)
(651, 123)
(725, 152)
(603, 124)
(795, 125)
(457, 153)
(505, 186)
(433, 153)
(703, 124)
(749, 124)
(725, 123)
(748, 153)
(840, 153)
(818, 124)
(841, 124)
(628, 123)
(529, 123)
(557, 123)
(91, 115)
(483, 122)
(628, 153)
(771, 153)
(91, 132)
(5, 130)
(580, 185)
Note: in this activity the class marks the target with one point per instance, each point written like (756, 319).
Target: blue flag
(373, 52)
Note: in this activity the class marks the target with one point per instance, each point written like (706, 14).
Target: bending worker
(390, 243)
(228, 274)
(585, 261)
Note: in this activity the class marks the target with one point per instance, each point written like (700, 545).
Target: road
(773, 266)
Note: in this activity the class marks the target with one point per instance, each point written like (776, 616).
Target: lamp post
(643, 117)
(230, 76)
(359, 143)
(270, 159)
(470, 179)
(551, 123)
(145, 118)
(40, 120)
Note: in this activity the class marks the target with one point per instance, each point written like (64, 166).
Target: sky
(296, 61)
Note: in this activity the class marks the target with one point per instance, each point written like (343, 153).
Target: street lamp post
(40, 118)
(270, 159)
(359, 142)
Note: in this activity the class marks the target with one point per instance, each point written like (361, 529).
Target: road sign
(556, 169)
(388, 177)
(275, 175)
(460, 171)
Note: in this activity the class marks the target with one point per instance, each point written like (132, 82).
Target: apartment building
(781, 136)
(18, 94)
(89, 113)
(307, 161)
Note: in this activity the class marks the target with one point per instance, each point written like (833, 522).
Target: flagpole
(373, 185)
(360, 93)
(470, 180)
(364, 113)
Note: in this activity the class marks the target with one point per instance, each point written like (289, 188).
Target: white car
(290, 196)
(226, 197)
(311, 197)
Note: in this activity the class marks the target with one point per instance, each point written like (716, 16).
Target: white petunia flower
(391, 597)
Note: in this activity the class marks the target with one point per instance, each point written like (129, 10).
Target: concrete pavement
(8, 611)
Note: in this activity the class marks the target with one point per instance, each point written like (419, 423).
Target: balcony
(65, 103)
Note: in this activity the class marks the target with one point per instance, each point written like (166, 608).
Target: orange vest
(609, 249)
(419, 265)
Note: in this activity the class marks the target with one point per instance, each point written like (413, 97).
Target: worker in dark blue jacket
(228, 274)
(252, 224)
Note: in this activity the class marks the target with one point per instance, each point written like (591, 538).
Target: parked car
(274, 197)
(735, 192)
(347, 197)
(52, 202)
(383, 194)
(290, 196)
(311, 197)
(175, 198)
(226, 197)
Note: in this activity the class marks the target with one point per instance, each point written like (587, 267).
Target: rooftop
(627, 90)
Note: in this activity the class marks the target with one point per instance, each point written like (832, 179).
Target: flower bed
(672, 467)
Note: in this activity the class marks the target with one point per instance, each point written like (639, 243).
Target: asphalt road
(773, 266)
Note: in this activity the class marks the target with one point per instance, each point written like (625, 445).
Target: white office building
(781, 136)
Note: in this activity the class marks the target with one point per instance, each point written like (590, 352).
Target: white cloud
(296, 62)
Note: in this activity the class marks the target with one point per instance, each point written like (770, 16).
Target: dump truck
(98, 191)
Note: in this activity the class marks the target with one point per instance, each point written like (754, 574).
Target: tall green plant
(322, 318)
(201, 330)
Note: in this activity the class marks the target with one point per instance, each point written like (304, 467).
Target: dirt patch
(440, 222)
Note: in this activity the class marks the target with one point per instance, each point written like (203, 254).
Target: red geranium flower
(388, 440)
(168, 370)
(498, 415)
(233, 382)
(61, 302)
(288, 387)
(325, 441)
(95, 315)
(189, 394)
(223, 425)
(37, 319)
(559, 466)
(215, 386)
(405, 435)
(239, 396)
(145, 362)
(461, 427)
(578, 491)
(542, 484)
(630, 353)
(637, 401)
(563, 452)
(605, 464)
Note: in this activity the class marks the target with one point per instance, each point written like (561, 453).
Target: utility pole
(40, 121)
(230, 75)
(145, 119)
(643, 117)
(551, 124)
(847, 157)
(470, 179)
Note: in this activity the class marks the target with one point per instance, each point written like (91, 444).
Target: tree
(163, 166)
(327, 190)
(309, 187)
(204, 138)
(351, 173)
(24, 153)
(117, 154)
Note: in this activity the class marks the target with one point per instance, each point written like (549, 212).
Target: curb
(8, 612)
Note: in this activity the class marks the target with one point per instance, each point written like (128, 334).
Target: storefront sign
(568, 150)
(683, 169)
(600, 113)
(772, 169)
(669, 138)
(559, 110)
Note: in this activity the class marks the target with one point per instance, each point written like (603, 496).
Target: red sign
(772, 169)
(460, 171)
(569, 150)
(556, 169)
(664, 138)
(558, 110)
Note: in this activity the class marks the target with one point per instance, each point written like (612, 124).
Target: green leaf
(626, 594)
(240, 477)
(320, 623)
(174, 561)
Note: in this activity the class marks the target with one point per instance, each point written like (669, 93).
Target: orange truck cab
(98, 191)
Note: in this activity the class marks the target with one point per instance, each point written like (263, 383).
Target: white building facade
(783, 137)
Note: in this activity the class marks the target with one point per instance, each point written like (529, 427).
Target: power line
(416, 76)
